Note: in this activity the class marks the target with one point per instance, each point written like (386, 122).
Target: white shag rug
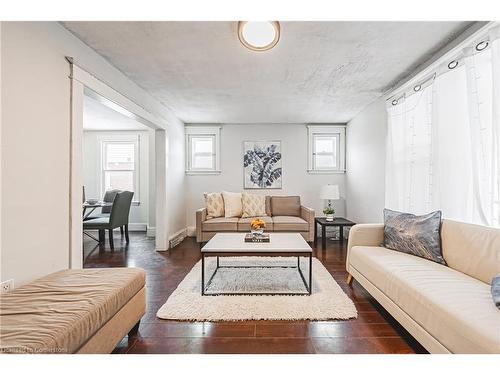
(327, 302)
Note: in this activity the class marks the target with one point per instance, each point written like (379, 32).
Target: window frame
(336, 131)
(192, 132)
(135, 140)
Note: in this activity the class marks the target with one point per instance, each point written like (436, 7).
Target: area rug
(327, 302)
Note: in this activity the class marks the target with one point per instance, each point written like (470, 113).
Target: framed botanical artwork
(262, 165)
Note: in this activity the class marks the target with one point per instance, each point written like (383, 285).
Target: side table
(339, 222)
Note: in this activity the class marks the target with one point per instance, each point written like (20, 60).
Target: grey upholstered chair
(118, 218)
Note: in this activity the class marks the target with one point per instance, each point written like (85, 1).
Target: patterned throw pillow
(416, 235)
(254, 205)
(495, 290)
(214, 204)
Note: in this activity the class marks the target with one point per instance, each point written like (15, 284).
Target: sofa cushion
(214, 204)
(416, 235)
(61, 311)
(471, 249)
(232, 204)
(220, 224)
(290, 223)
(244, 224)
(285, 206)
(268, 206)
(454, 308)
(254, 205)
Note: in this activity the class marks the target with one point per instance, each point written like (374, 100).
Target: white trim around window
(121, 139)
(210, 135)
(326, 142)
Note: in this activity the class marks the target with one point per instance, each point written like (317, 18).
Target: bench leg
(134, 329)
(349, 279)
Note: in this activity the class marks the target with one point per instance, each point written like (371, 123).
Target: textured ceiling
(318, 72)
(97, 116)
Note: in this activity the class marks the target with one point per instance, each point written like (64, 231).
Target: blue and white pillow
(416, 235)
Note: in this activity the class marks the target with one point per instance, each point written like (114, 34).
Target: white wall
(139, 214)
(35, 144)
(365, 157)
(296, 180)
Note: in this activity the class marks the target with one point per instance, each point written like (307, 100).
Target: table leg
(315, 233)
(341, 234)
(202, 274)
(310, 274)
(323, 237)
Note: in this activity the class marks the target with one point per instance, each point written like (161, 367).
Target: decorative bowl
(92, 201)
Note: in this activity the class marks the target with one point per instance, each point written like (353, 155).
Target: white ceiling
(97, 116)
(318, 72)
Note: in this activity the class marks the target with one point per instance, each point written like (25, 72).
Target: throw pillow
(253, 205)
(495, 290)
(214, 204)
(285, 206)
(232, 204)
(416, 235)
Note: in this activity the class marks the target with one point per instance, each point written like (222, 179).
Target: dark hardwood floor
(374, 331)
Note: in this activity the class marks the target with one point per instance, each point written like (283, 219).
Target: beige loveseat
(448, 309)
(279, 219)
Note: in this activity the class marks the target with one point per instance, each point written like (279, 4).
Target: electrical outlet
(6, 286)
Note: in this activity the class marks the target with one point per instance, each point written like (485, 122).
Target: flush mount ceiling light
(259, 36)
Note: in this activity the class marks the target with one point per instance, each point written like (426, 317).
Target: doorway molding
(84, 83)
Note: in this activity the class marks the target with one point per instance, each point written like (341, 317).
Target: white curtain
(443, 149)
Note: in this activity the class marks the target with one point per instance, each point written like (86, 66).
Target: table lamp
(330, 192)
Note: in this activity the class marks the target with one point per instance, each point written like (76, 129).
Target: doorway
(106, 124)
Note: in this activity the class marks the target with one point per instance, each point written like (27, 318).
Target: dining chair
(118, 218)
(109, 197)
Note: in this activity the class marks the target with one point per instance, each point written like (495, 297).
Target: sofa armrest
(364, 235)
(201, 216)
(307, 214)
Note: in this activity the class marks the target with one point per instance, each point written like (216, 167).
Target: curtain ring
(453, 64)
(481, 45)
(394, 102)
(417, 88)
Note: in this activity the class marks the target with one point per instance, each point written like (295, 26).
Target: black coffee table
(339, 222)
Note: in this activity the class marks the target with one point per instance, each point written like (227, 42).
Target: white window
(202, 149)
(326, 149)
(120, 166)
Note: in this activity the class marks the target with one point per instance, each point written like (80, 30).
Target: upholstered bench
(73, 311)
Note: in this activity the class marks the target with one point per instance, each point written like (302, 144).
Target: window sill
(203, 172)
(314, 171)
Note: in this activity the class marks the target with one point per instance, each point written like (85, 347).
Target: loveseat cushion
(220, 224)
(285, 205)
(61, 311)
(453, 307)
(290, 223)
(244, 224)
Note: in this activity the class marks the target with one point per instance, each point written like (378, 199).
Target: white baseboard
(137, 227)
(132, 227)
(151, 231)
(191, 231)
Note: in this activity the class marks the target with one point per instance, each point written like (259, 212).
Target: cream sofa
(302, 223)
(447, 309)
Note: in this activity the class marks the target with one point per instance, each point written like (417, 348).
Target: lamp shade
(330, 192)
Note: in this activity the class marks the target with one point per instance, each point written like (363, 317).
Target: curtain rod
(469, 36)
